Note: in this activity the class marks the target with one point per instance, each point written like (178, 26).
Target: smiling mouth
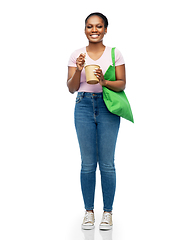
(94, 36)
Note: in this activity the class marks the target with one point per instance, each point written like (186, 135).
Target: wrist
(78, 70)
(104, 83)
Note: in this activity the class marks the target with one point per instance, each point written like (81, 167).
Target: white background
(40, 195)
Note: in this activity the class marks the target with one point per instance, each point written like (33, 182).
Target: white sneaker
(88, 222)
(106, 223)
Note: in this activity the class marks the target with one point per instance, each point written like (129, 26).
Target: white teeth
(94, 36)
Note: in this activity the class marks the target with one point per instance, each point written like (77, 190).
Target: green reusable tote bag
(116, 102)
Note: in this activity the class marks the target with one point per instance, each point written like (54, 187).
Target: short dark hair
(99, 15)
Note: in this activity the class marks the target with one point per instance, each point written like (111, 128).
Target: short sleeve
(119, 60)
(72, 60)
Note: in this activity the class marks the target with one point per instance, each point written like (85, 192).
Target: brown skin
(95, 32)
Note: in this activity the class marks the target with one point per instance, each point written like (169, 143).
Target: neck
(92, 47)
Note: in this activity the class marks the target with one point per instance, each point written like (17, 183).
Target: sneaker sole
(105, 227)
(87, 227)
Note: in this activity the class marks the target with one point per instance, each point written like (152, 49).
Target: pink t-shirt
(104, 62)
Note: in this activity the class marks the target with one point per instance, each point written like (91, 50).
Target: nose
(94, 29)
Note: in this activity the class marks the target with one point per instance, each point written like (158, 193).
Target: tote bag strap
(113, 56)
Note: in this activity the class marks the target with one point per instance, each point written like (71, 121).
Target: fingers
(98, 72)
(83, 55)
(80, 61)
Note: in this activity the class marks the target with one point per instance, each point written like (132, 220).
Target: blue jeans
(97, 131)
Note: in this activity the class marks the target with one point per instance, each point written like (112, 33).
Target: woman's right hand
(80, 61)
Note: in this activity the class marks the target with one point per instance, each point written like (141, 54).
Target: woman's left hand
(98, 73)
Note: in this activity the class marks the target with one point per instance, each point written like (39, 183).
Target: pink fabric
(104, 62)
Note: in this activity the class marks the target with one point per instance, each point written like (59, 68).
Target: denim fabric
(97, 131)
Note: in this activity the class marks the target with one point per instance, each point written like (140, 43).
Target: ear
(106, 30)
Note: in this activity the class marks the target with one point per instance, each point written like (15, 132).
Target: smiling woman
(93, 122)
(96, 28)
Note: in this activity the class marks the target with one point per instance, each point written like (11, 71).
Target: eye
(89, 26)
(100, 26)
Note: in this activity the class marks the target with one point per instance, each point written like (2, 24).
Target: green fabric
(116, 102)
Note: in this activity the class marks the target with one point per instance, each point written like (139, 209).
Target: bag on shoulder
(116, 102)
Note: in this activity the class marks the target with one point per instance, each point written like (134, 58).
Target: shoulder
(119, 60)
(74, 56)
(77, 52)
(118, 54)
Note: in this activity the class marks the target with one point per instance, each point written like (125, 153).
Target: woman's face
(95, 29)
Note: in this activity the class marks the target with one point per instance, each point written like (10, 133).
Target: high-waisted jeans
(97, 131)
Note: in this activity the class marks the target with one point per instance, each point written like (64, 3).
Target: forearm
(74, 82)
(116, 86)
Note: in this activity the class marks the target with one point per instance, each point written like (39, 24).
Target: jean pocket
(78, 99)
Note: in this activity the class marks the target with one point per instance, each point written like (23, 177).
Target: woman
(96, 127)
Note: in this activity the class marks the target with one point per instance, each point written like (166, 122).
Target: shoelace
(106, 218)
(88, 217)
